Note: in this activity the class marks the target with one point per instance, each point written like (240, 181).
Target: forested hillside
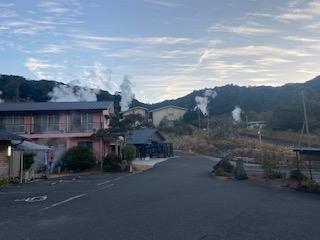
(281, 106)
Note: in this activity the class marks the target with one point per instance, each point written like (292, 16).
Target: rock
(239, 172)
(224, 165)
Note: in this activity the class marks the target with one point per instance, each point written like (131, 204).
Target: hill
(280, 106)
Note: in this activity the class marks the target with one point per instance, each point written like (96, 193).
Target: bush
(222, 173)
(225, 165)
(272, 174)
(78, 158)
(239, 171)
(28, 160)
(129, 153)
(114, 163)
(297, 175)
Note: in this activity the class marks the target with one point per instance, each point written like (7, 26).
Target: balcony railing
(52, 128)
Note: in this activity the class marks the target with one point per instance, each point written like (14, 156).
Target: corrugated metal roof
(7, 136)
(53, 106)
(168, 106)
(143, 136)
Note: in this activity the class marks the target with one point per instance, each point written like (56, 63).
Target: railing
(52, 128)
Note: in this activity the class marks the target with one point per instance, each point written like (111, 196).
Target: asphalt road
(177, 199)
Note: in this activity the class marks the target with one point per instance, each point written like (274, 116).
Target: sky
(167, 48)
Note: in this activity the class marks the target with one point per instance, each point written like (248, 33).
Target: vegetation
(129, 153)
(114, 163)
(297, 175)
(78, 158)
(28, 160)
(280, 107)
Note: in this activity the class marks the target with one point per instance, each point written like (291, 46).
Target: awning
(30, 146)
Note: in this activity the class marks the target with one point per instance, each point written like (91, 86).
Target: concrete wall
(170, 113)
(140, 111)
(4, 160)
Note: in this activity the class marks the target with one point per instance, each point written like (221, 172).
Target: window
(87, 144)
(45, 123)
(12, 123)
(80, 122)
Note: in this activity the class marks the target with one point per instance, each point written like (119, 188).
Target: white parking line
(65, 201)
(102, 183)
(105, 187)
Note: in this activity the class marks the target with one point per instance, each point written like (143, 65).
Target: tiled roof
(53, 106)
(143, 136)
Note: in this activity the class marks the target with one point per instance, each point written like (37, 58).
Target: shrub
(222, 173)
(28, 160)
(225, 165)
(272, 174)
(114, 163)
(239, 171)
(297, 175)
(129, 152)
(78, 158)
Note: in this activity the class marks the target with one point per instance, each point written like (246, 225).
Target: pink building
(60, 125)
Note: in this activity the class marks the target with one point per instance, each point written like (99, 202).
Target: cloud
(163, 40)
(294, 17)
(162, 3)
(272, 60)
(53, 7)
(37, 67)
(52, 48)
(252, 50)
(301, 13)
(242, 30)
(301, 39)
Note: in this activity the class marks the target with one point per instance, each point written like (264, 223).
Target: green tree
(78, 158)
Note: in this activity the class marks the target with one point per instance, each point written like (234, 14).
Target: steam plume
(126, 94)
(203, 101)
(236, 114)
(66, 93)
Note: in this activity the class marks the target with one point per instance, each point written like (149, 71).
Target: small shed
(308, 153)
(149, 142)
(6, 150)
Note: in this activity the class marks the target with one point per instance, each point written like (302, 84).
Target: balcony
(60, 128)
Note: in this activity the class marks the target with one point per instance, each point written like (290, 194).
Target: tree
(78, 158)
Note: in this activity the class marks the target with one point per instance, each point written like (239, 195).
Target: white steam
(1, 100)
(95, 79)
(126, 94)
(100, 78)
(66, 93)
(203, 101)
(236, 114)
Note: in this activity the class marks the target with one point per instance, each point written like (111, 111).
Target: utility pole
(306, 124)
(208, 123)
(199, 119)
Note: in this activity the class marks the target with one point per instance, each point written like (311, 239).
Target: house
(256, 124)
(61, 125)
(170, 112)
(136, 110)
(149, 142)
(5, 151)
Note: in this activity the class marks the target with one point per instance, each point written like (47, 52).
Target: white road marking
(102, 183)
(105, 187)
(118, 178)
(65, 201)
(32, 199)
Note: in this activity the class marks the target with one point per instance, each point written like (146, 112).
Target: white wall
(171, 113)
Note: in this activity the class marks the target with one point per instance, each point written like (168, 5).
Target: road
(177, 199)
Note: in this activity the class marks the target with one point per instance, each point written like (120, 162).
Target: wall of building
(140, 111)
(4, 160)
(171, 114)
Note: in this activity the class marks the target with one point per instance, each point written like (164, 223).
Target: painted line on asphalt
(65, 201)
(102, 183)
(105, 187)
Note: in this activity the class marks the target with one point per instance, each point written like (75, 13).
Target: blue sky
(168, 48)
